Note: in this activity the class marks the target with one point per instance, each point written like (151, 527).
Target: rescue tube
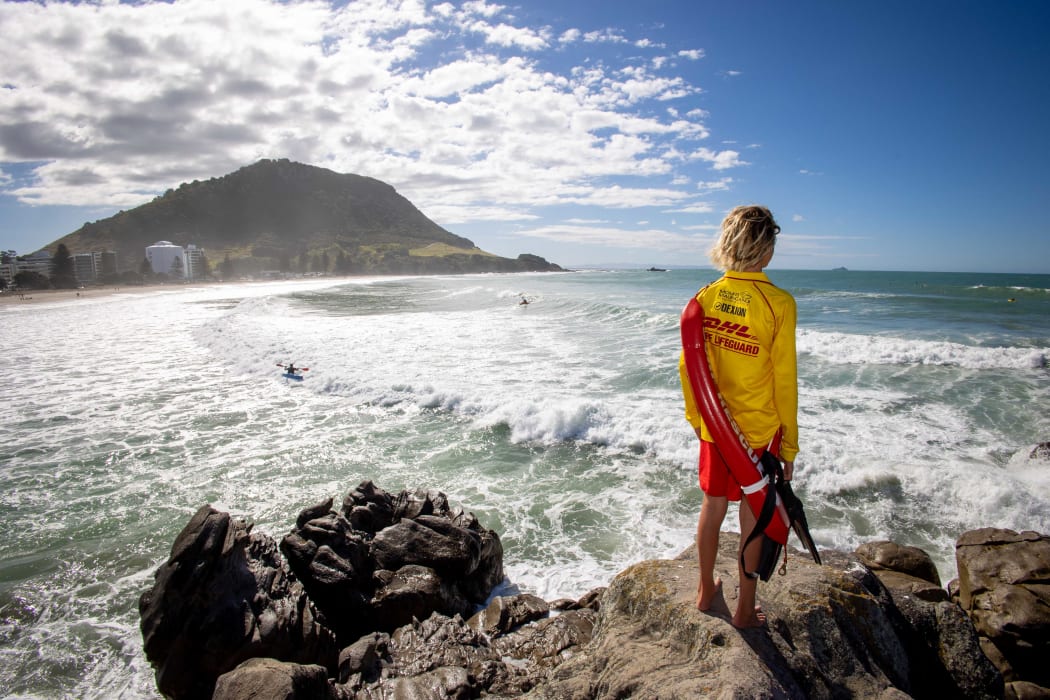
(757, 480)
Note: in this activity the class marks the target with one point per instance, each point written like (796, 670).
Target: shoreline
(48, 296)
(40, 296)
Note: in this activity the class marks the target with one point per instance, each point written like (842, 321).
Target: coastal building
(109, 263)
(39, 261)
(167, 258)
(87, 267)
(195, 263)
(175, 261)
(11, 264)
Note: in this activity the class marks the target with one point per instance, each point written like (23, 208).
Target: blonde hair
(749, 234)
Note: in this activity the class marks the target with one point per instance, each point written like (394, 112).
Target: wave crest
(844, 348)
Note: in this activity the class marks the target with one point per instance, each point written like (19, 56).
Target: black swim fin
(797, 516)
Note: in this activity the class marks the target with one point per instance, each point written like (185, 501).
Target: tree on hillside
(63, 272)
(145, 268)
(325, 263)
(205, 271)
(226, 268)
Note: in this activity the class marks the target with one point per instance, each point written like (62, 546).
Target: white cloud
(111, 104)
(570, 36)
(506, 35)
(607, 35)
(482, 8)
(719, 160)
(692, 54)
(721, 184)
(698, 208)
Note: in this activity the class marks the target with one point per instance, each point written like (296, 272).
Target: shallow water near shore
(558, 423)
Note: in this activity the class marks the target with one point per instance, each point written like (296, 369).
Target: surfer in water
(749, 337)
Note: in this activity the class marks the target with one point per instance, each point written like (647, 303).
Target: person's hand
(789, 467)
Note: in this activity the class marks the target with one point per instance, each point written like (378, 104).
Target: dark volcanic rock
(224, 596)
(408, 556)
(269, 679)
(446, 657)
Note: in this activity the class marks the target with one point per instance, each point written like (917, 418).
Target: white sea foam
(844, 348)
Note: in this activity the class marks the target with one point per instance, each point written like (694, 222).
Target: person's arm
(692, 413)
(785, 383)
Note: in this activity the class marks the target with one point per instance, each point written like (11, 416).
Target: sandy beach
(38, 296)
(9, 299)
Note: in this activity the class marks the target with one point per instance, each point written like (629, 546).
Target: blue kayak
(296, 377)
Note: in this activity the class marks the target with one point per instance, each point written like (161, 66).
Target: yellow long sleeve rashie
(749, 333)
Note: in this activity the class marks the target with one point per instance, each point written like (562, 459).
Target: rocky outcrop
(942, 640)
(381, 561)
(225, 596)
(378, 563)
(832, 631)
(270, 679)
(1004, 586)
(388, 597)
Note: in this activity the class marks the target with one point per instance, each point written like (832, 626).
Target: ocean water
(558, 423)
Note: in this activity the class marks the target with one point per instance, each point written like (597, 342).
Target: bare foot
(755, 619)
(704, 599)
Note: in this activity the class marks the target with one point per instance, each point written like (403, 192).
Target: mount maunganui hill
(276, 214)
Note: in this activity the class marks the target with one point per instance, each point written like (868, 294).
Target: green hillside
(277, 214)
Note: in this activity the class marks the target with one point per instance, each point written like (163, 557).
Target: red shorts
(715, 477)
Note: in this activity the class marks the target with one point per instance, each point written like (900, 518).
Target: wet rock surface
(1004, 587)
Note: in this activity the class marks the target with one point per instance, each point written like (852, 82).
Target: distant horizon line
(669, 268)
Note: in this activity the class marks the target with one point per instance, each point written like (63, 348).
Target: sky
(896, 135)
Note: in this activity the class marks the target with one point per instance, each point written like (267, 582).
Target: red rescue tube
(743, 463)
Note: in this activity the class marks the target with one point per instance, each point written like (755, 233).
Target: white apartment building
(39, 261)
(167, 258)
(175, 261)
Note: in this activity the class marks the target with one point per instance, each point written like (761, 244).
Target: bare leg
(712, 513)
(747, 613)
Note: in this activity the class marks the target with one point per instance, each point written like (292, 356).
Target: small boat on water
(657, 269)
